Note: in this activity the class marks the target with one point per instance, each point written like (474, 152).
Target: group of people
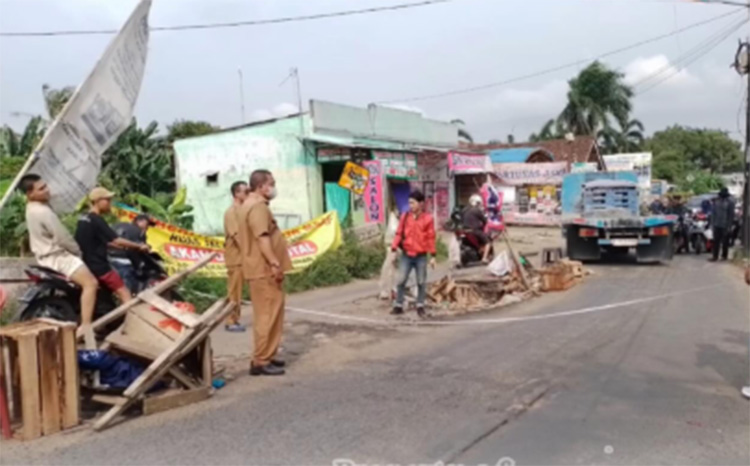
(81, 258)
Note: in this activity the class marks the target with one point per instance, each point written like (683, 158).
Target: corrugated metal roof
(515, 155)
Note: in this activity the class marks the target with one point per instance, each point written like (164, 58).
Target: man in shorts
(94, 236)
(55, 248)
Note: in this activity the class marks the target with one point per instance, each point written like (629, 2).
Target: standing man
(265, 258)
(722, 218)
(415, 237)
(55, 248)
(232, 255)
(94, 236)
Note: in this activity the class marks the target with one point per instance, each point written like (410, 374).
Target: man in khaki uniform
(265, 258)
(232, 255)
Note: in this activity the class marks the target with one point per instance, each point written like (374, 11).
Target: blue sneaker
(236, 328)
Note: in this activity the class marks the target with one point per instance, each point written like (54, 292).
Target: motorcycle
(469, 243)
(54, 296)
(682, 233)
(700, 234)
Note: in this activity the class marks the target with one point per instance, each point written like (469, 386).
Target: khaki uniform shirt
(232, 254)
(257, 220)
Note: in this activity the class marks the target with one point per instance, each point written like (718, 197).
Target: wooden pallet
(40, 366)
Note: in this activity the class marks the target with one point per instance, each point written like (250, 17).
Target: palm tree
(462, 133)
(55, 99)
(596, 98)
(551, 130)
(623, 140)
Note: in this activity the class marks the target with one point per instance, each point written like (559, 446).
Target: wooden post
(50, 382)
(71, 412)
(517, 262)
(27, 359)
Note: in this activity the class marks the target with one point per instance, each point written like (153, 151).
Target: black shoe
(421, 312)
(278, 363)
(268, 369)
(397, 311)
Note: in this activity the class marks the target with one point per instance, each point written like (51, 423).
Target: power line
(259, 22)
(560, 67)
(699, 54)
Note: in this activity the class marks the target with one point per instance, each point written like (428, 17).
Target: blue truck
(601, 214)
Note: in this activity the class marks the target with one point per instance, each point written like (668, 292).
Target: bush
(10, 166)
(441, 250)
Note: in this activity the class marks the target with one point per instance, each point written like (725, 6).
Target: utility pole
(742, 65)
(242, 95)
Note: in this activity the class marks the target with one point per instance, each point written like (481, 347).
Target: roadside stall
(532, 192)
(468, 173)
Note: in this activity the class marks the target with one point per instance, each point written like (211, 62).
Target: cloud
(643, 73)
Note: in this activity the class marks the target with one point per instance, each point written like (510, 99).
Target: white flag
(69, 157)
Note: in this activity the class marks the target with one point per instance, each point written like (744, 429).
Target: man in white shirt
(55, 248)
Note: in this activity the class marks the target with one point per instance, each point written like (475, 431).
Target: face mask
(272, 193)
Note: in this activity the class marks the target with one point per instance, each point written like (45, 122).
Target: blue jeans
(419, 265)
(127, 273)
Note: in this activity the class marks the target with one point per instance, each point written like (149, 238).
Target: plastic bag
(500, 265)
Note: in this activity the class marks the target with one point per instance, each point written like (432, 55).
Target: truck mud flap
(581, 249)
(661, 249)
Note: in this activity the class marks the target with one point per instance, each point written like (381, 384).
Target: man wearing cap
(94, 236)
(124, 262)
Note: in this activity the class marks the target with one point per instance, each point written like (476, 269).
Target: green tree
(139, 162)
(679, 150)
(55, 99)
(181, 129)
(551, 130)
(628, 139)
(597, 99)
(15, 145)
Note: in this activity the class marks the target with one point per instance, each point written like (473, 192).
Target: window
(212, 179)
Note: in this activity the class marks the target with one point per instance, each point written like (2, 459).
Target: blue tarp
(515, 155)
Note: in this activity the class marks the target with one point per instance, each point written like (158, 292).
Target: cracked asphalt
(651, 383)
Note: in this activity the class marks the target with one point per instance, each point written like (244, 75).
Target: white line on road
(503, 320)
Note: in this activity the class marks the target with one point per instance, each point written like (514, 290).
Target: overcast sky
(388, 56)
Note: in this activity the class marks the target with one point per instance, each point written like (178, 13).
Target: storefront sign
(400, 165)
(517, 174)
(373, 194)
(354, 178)
(181, 248)
(640, 163)
(334, 154)
(466, 164)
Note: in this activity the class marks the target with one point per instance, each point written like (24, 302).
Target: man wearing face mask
(265, 258)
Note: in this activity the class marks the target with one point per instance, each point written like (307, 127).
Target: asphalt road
(649, 382)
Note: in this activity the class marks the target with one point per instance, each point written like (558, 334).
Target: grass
(351, 261)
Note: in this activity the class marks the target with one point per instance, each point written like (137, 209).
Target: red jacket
(418, 235)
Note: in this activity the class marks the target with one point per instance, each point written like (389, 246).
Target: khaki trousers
(234, 292)
(268, 318)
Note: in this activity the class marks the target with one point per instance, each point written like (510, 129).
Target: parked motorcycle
(701, 235)
(54, 296)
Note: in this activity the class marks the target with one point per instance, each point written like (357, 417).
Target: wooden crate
(41, 376)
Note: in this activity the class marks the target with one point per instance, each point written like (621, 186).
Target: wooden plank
(71, 402)
(29, 366)
(517, 263)
(5, 344)
(174, 399)
(49, 367)
(186, 319)
(156, 289)
(153, 373)
(108, 399)
(207, 362)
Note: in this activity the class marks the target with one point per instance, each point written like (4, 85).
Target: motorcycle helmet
(475, 200)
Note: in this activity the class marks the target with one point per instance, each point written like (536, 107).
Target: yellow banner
(180, 248)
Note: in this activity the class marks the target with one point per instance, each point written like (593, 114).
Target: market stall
(531, 192)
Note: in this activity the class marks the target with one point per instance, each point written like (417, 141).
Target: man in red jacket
(415, 237)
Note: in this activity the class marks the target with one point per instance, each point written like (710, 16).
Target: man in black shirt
(94, 236)
(126, 262)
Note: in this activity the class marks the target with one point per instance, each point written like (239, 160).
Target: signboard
(467, 164)
(584, 167)
(181, 248)
(518, 174)
(639, 163)
(69, 156)
(397, 164)
(373, 195)
(354, 178)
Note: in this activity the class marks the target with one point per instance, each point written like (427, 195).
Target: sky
(386, 57)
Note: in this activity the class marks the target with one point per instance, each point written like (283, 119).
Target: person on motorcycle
(55, 248)
(125, 262)
(94, 236)
(474, 220)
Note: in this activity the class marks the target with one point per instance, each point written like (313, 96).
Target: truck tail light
(588, 233)
(659, 231)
